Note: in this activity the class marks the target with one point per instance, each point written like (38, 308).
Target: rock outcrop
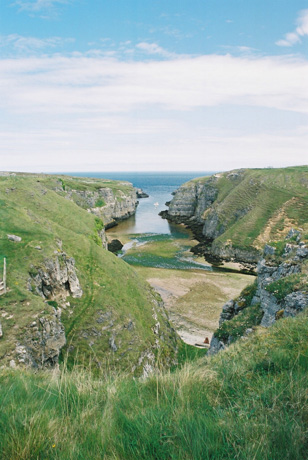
(43, 342)
(280, 291)
(115, 246)
(234, 214)
(109, 204)
(141, 194)
(56, 278)
(107, 316)
(15, 238)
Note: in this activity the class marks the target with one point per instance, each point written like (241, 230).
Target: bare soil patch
(194, 299)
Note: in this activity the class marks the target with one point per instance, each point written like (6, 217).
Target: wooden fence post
(4, 275)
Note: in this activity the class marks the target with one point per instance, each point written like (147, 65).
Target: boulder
(15, 238)
(141, 194)
(115, 246)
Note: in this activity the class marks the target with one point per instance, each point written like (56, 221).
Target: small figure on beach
(206, 341)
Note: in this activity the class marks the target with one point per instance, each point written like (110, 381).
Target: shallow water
(159, 187)
(146, 226)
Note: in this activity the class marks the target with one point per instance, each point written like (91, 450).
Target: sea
(159, 186)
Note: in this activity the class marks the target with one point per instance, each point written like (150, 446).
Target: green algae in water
(150, 257)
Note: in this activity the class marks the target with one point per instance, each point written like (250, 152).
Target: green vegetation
(254, 206)
(284, 286)
(279, 247)
(50, 224)
(164, 251)
(249, 316)
(249, 402)
(236, 327)
(99, 203)
(189, 353)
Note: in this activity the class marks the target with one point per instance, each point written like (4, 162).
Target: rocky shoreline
(234, 214)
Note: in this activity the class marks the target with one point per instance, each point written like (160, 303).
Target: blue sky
(153, 85)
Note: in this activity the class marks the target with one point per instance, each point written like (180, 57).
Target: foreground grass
(250, 402)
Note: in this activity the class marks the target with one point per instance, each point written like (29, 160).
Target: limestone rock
(109, 206)
(42, 345)
(295, 303)
(57, 278)
(268, 250)
(15, 238)
(216, 345)
(112, 344)
(302, 252)
(293, 233)
(274, 308)
(1, 331)
(227, 311)
(141, 194)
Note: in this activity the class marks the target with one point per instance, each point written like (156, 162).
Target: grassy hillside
(254, 206)
(249, 402)
(114, 296)
(276, 199)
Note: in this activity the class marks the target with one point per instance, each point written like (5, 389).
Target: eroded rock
(15, 238)
(57, 278)
(42, 345)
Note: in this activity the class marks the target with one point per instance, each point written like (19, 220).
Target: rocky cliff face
(56, 278)
(280, 291)
(194, 204)
(190, 203)
(53, 280)
(43, 341)
(97, 311)
(234, 214)
(109, 204)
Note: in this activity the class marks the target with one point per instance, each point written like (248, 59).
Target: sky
(153, 85)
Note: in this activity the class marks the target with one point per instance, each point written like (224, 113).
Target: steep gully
(195, 322)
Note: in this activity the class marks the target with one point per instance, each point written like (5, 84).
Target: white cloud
(37, 5)
(153, 48)
(301, 30)
(26, 44)
(85, 112)
(109, 85)
(45, 9)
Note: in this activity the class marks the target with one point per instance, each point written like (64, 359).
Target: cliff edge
(233, 214)
(67, 297)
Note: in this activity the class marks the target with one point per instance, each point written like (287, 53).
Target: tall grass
(249, 402)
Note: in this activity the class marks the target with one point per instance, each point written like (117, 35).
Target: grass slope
(249, 402)
(33, 210)
(257, 205)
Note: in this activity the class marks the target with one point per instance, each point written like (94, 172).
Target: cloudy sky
(137, 85)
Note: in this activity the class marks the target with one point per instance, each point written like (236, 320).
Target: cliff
(68, 297)
(233, 214)
(111, 201)
(280, 291)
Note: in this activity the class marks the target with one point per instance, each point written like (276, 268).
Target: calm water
(159, 187)
(147, 226)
